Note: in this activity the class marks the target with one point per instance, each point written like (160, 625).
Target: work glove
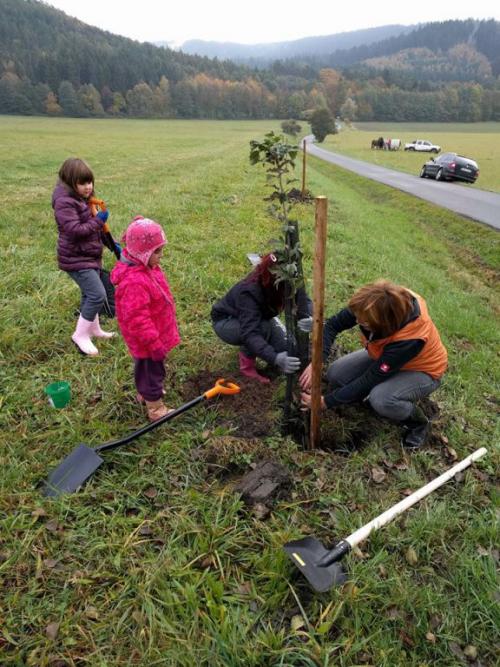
(287, 364)
(305, 324)
(102, 215)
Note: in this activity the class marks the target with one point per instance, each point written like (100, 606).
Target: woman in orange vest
(403, 358)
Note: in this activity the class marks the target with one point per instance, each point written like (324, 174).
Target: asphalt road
(466, 200)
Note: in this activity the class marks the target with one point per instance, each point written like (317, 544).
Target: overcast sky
(254, 21)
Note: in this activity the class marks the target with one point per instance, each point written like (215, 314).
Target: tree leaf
(297, 622)
(52, 630)
(378, 475)
(411, 556)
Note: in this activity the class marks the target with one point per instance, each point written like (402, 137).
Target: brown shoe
(157, 409)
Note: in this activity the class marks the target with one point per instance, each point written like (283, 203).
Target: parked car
(451, 167)
(422, 145)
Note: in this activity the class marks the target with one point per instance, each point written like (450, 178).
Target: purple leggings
(149, 377)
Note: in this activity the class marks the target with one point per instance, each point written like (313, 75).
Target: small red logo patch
(385, 368)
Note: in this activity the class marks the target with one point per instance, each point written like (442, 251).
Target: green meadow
(479, 141)
(156, 561)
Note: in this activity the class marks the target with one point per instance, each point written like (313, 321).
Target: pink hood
(145, 309)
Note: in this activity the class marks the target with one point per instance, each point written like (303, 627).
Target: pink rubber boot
(247, 368)
(81, 337)
(97, 331)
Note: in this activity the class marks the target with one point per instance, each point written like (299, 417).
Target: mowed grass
(156, 561)
(479, 141)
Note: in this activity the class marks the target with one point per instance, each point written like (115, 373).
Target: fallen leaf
(460, 476)
(206, 562)
(451, 453)
(52, 526)
(393, 613)
(38, 512)
(411, 556)
(297, 622)
(50, 563)
(431, 637)
(244, 589)
(145, 530)
(151, 492)
(382, 571)
(471, 652)
(357, 553)
(92, 613)
(435, 621)
(205, 434)
(407, 492)
(52, 630)
(457, 651)
(482, 551)
(401, 465)
(406, 639)
(261, 511)
(378, 475)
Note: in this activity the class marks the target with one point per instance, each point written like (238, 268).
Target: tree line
(54, 65)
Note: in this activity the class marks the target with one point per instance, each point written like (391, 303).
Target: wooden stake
(304, 151)
(318, 313)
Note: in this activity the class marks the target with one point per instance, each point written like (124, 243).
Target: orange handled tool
(99, 205)
(84, 460)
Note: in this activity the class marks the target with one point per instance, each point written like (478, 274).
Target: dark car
(451, 167)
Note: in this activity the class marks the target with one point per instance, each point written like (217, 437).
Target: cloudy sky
(257, 21)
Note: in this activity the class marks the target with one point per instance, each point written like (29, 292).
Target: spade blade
(72, 472)
(305, 553)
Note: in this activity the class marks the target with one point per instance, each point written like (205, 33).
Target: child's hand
(103, 215)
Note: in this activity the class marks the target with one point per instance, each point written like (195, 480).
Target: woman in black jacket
(246, 316)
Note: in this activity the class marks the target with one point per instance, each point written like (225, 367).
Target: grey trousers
(396, 397)
(272, 331)
(93, 292)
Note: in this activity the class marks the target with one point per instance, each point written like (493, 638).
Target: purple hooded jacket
(80, 241)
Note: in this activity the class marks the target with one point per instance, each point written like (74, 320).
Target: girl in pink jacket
(145, 310)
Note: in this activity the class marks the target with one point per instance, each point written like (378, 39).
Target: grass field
(156, 561)
(480, 141)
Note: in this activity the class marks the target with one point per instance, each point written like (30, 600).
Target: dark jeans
(94, 294)
(394, 398)
(149, 376)
(272, 331)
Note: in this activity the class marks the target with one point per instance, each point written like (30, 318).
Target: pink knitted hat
(143, 237)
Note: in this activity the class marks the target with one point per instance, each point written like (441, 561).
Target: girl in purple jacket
(79, 247)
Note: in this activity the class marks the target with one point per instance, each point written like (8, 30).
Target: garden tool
(83, 461)
(322, 567)
(99, 205)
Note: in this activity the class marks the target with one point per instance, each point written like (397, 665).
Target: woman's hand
(305, 380)
(305, 399)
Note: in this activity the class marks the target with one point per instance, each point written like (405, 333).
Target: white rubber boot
(81, 337)
(96, 330)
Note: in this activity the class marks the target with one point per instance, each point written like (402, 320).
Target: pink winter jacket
(145, 310)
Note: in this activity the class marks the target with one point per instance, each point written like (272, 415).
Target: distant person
(403, 358)
(245, 317)
(145, 310)
(79, 248)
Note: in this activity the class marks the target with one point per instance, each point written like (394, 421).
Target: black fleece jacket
(394, 356)
(247, 302)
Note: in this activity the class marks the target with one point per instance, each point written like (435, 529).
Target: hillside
(308, 46)
(52, 64)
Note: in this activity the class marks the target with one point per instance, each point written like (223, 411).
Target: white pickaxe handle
(362, 533)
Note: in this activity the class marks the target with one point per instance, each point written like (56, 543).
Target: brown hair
(382, 306)
(75, 172)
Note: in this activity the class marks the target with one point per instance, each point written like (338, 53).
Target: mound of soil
(252, 412)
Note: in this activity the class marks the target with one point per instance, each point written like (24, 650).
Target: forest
(51, 64)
